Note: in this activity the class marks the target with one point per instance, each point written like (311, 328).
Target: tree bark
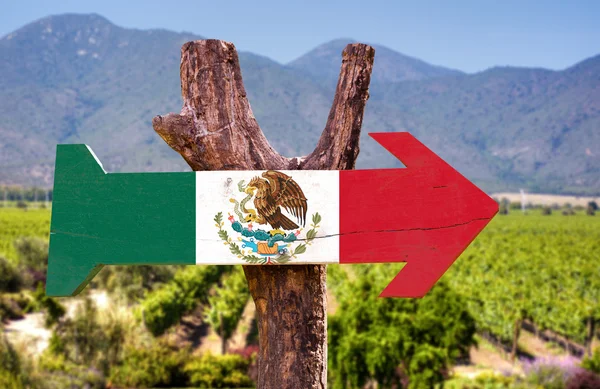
(515, 341)
(589, 337)
(216, 130)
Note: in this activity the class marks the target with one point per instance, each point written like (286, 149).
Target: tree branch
(216, 129)
(338, 146)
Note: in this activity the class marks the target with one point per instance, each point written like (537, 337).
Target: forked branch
(216, 130)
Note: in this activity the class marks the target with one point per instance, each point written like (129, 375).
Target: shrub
(10, 279)
(161, 364)
(54, 311)
(393, 340)
(427, 367)
(9, 359)
(592, 363)
(516, 205)
(32, 253)
(591, 208)
(550, 373)
(83, 339)
(9, 309)
(93, 340)
(9, 381)
(250, 353)
(58, 372)
(14, 305)
(493, 380)
(15, 370)
(22, 205)
(164, 307)
(223, 371)
(546, 211)
(584, 380)
(131, 283)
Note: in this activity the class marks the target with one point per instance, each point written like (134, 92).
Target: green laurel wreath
(280, 259)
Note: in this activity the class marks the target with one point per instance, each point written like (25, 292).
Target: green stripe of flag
(155, 214)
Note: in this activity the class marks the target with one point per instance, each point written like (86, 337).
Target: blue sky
(466, 35)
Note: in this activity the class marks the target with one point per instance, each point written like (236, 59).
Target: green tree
(503, 206)
(226, 306)
(164, 307)
(393, 340)
(592, 207)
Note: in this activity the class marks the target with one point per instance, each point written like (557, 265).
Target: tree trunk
(589, 336)
(216, 130)
(515, 340)
(222, 334)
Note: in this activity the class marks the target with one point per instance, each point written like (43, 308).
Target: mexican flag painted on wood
(424, 215)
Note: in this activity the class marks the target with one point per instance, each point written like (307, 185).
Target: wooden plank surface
(424, 215)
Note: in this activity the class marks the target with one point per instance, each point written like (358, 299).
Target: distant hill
(79, 78)
(323, 63)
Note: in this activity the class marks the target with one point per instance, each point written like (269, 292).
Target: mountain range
(81, 79)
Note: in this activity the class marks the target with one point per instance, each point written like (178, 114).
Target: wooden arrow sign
(424, 215)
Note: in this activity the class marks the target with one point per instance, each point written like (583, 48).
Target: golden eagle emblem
(274, 191)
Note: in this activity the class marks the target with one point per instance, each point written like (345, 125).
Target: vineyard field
(535, 268)
(543, 269)
(16, 223)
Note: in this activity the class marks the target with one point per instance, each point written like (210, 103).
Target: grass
(16, 223)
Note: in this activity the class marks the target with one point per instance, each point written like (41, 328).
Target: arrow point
(410, 283)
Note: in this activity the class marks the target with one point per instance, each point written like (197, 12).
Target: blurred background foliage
(511, 297)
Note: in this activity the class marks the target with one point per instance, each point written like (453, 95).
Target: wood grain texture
(216, 130)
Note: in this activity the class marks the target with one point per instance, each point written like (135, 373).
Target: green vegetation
(536, 268)
(132, 283)
(10, 278)
(225, 307)
(592, 363)
(226, 371)
(16, 223)
(393, 340)
(163, 307)
(540, 269)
